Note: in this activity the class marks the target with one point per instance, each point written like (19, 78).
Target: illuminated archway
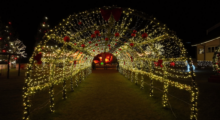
(137, 40)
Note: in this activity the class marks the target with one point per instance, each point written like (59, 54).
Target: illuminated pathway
(107, 95)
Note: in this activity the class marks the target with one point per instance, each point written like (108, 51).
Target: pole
(204, 52)
(19, 65)
(103, 59)
(8, 66)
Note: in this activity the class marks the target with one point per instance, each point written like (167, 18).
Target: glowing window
(201, 51)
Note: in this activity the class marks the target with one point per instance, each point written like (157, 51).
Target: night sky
(189, 19)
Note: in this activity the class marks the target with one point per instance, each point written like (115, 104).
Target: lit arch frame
(79, 28)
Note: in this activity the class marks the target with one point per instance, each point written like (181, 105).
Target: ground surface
(11, 95)
(106, 94)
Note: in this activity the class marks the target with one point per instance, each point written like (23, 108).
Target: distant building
(206, 49)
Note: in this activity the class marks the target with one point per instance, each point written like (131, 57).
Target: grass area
(208, 101)
(209, 96)
(178, 99)
(109, 97)
(11, 95)
(106, 95)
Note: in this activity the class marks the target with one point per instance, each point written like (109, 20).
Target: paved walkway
(108, 95)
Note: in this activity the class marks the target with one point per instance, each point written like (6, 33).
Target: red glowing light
(100, 58)
(66, 38)
(144, 35)
(96, 61)
(108, 59)
(159, 63)
(116, 34)
(83, 45)
(96, 32)
(172, 64)
(93, 36)
(131, 44)
(133, 34)
(79, 23)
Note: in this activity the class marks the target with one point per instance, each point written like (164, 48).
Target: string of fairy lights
(216, 60)
(136, 39)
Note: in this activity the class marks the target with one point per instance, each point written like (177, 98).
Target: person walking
(93, 65)
(117, 66)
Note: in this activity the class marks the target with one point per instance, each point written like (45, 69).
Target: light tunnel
(136, 39)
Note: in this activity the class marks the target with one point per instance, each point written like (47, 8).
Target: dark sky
(190, 19)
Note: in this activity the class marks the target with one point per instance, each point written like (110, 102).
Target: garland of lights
(80, 79)
(132, 76)
(136, 78)
(193, 89)
(165, 86)
(69, 48)
(76, 80)
(216, 62)
(142, 76)
(71, 79)
(51, 92)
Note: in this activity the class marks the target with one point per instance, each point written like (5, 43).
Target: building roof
(215, 34)
(212, 28)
